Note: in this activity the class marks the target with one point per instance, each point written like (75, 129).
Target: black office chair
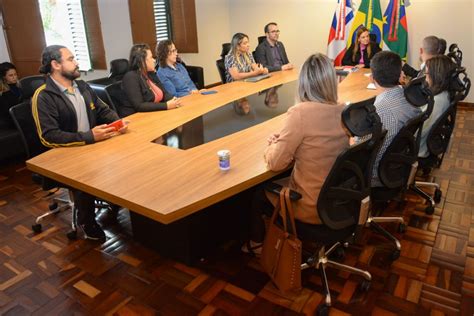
(260, 40)
(115, 96)
(418, 93)
(196, 74)
(398, 165)
(118, 68)
(30, 84)
(99, 90)
(440, 134)
(221, 68)
(459, 85)
(442, 46)
(455, 54)
(23, 119)
(344, 198)
(220, 63)
(373, 37)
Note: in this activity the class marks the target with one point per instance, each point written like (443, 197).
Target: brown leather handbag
(281, 252)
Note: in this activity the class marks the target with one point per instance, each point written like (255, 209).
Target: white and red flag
(340, 30)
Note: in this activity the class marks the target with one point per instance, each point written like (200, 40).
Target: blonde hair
(317, 80)
(3, 87)
(234, 48)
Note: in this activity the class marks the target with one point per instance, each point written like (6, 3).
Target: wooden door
(24, 34)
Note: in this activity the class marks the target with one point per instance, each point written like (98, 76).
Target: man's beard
(71, 75)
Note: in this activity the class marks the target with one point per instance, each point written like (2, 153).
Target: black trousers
(260, 207)
(85, 204)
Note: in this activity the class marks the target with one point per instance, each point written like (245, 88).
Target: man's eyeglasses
(274, 31)
(172, 51)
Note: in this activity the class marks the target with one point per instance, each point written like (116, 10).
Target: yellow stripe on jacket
(34, 110)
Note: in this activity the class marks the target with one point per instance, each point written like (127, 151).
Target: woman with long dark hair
(142, 87)
(438, 71)
(10, 91)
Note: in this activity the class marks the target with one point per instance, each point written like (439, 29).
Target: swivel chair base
(57, 205)
(432, 200)
(320, 261)
(60, 204)
(373, 223)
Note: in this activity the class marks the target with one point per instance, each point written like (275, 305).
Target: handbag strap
(291, 214)
(280, 208)
(283, 210)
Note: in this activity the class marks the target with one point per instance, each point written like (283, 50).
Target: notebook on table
(257, 78)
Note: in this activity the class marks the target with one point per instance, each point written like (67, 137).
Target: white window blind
(79, 36)
(162, 19)
(63, 24)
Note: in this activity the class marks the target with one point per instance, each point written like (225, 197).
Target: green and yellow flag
(395, 28)
(370, 16)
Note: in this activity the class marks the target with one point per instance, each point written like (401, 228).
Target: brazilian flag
(395, 29)
(370, 16)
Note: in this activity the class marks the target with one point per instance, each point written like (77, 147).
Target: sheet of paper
(371, 86)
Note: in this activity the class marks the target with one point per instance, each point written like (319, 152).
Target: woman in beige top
(311, 139)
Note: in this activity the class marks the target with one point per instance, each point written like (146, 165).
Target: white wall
(4, 55)
(304, 26)
(212, 19)
(451, 20)
(116, 33)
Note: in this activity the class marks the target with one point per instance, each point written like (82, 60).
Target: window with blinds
(161, 11)
(63, 24)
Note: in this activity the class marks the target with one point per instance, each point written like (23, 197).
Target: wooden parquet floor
(46, 274)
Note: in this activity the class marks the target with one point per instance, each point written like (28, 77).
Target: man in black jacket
(430, 47)
(68, 113)
(270, 52)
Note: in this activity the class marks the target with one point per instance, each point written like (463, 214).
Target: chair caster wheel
(402, 228)
(53, 206)
(37, 228)
(437, 196)
(395, 255)
(364, 286)
(72, 235)
(429, 210)
(322, 310)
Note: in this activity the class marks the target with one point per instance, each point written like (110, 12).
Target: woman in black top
(361, 51)
(10, 91)
(142, 87)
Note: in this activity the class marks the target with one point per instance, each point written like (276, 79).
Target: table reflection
(233, 117)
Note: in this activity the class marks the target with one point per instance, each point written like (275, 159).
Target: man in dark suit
(270, 52)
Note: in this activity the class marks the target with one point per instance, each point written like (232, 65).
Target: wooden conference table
(167, 184)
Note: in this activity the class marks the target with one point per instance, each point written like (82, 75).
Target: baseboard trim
(466, 106)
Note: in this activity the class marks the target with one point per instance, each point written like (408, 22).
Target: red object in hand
(117, 125)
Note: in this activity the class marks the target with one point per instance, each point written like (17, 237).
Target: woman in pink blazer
(311, 139)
